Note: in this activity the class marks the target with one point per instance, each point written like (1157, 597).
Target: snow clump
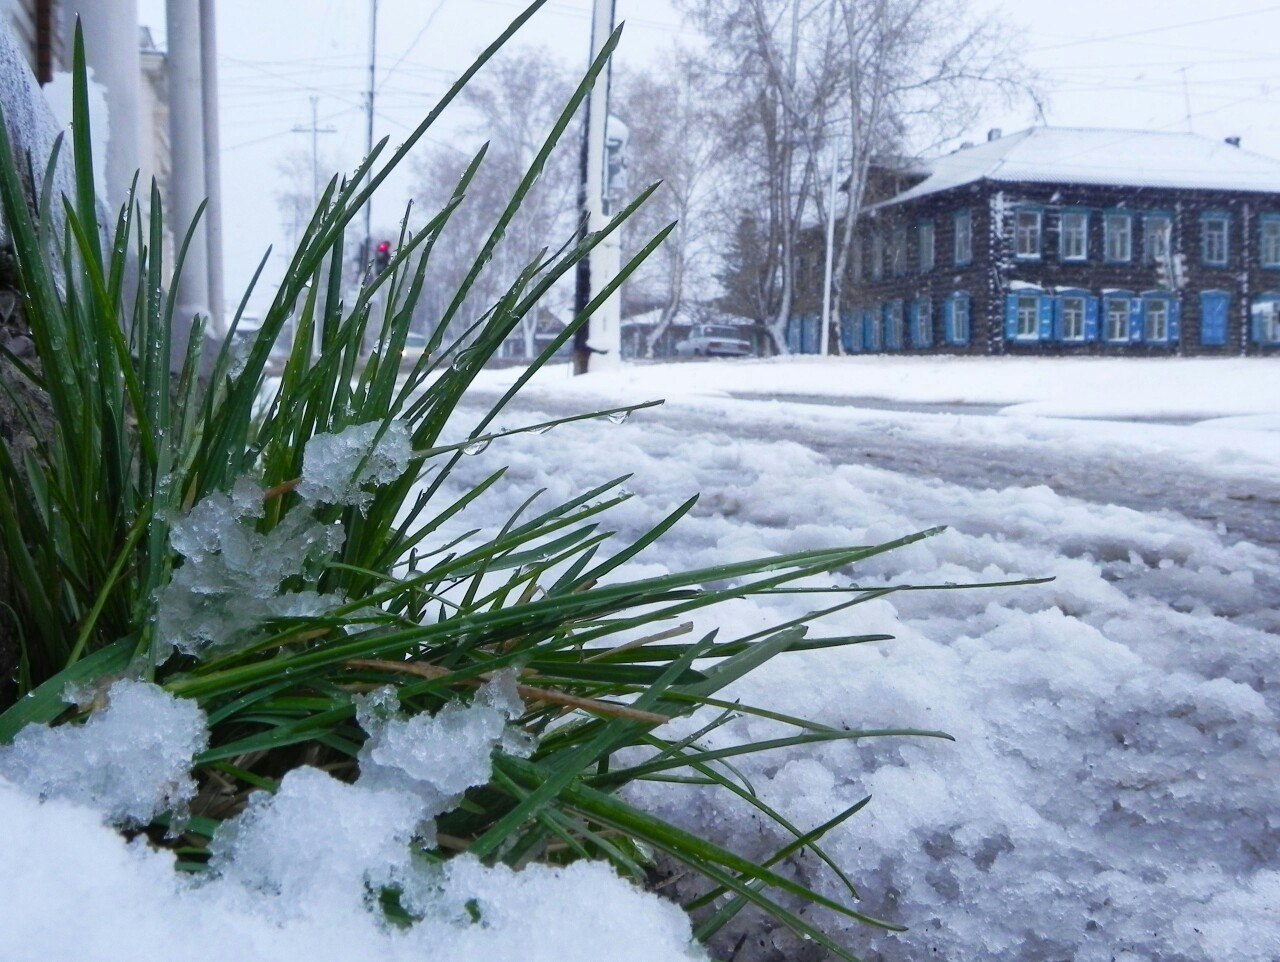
(231, 579)
(129, 762)
(338, 468)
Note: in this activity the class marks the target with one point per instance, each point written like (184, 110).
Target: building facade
(1063, 241)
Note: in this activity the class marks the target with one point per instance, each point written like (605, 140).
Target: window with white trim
(1157, 238)
(877, 255)
(1073, 318)
(1266, 320)
(893, 331)
(898, 250)
(1073, 235)
(925, 237)
(856, 259)
(964, 237)
(1157, 320)
(923, 335)
(960, 319)
(1028, 315)
(1213, 239)
(1269, 241)
(1026, 232)
(1117, 319)
(1118, 233)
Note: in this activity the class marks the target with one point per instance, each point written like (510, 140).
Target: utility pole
(367, 253)
(601, 335)
(212, 162)
(315, 130)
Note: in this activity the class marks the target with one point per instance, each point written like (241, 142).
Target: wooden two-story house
(1072, 241)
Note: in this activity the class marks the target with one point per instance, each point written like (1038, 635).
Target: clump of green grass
(86, 522)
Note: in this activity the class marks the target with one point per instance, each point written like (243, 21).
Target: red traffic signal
(383, 256)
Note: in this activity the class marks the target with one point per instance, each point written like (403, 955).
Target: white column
(111, 53)
(212, 162)
(186, 148)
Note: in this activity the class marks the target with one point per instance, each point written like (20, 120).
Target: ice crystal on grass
(437, 757)
(232, 576)
(338, 468)
(130, 761)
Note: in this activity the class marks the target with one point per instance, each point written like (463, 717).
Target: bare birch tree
(809, 83)
(514, 105)
(675, 140)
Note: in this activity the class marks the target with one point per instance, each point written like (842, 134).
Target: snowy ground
(1110, 794)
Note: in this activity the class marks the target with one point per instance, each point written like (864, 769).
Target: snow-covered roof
(1078, 155)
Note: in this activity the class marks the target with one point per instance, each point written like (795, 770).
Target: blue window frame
(850, 338)
(1073, 235)
(1215, 308)
(1117, 315)
(1160, 318)
(962, 224)
(957, 319)
(871, 329)
(1075, 317)
(1269, 241)
(1028, 233)
(1117, 237)
(1028, 316)
(1157, 237)
(1215, 238)
(1265, 327)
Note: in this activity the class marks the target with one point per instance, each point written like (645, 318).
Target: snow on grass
(87, 894)
(296, 875)
(130, 761)
(1109, 793)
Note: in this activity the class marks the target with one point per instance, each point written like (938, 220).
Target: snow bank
(1110, 794)
(79, 891)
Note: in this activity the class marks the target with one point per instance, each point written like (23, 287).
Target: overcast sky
(1101, 63)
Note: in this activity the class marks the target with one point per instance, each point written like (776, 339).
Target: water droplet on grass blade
(476, 447)
(617, 417)
(541, 429)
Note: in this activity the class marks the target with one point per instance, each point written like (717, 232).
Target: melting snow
(339, 468)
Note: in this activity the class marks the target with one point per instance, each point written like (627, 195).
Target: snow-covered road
(1111, 791)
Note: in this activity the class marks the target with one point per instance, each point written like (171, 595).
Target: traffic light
(382, 257)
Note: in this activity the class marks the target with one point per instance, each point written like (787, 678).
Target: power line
(1154, 30)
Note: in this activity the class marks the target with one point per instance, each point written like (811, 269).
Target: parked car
(714, 340)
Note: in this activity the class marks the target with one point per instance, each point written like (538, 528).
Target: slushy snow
(1110, 793)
